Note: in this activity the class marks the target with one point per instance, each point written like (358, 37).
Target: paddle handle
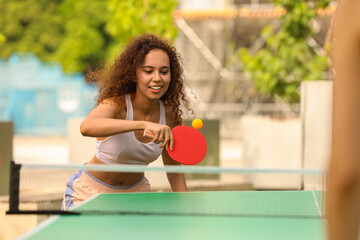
(148, 134)
(151, 135)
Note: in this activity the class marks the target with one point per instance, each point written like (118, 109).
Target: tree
(82, 32)
(30, 26)
(132, 17)
(85, 39)
(287, 58)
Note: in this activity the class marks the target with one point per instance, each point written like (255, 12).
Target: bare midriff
(116, 179)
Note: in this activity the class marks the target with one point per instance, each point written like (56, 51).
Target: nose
(156, 76)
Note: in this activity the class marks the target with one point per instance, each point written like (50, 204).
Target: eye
(164, 72)
(148, 71)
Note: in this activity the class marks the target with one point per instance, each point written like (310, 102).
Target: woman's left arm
(176, 180)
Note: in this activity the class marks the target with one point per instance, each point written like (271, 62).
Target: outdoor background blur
(258, 73)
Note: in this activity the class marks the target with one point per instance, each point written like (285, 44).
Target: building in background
(210, 34)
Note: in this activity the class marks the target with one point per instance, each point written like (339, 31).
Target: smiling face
(153, 76)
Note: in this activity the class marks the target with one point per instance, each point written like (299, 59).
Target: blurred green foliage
(2, 38)
(287, 58)
(80, 33)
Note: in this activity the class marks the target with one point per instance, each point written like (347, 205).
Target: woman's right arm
(103, 122)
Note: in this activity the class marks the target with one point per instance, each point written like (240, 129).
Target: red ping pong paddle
(189, 145)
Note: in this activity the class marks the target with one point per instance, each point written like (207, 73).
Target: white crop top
(124, 148)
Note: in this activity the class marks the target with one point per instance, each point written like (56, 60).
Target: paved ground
(40, 149)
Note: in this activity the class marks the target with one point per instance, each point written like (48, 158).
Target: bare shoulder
(109, 102)
(109, 108)
(170, 117)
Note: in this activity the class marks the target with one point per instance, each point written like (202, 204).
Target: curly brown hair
(118, 79)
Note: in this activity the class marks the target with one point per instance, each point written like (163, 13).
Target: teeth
(155, 88)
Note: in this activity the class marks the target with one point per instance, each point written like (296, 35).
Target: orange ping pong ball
(197, 123)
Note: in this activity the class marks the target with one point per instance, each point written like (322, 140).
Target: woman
(141, 91)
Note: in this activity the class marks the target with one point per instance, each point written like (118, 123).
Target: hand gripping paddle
(189, 145)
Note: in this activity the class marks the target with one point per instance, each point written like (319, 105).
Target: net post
(14, 187)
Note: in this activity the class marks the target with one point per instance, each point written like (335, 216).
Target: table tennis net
(39, 189)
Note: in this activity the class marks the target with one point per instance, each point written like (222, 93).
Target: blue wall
(39, 97)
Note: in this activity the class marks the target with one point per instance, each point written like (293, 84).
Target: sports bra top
(125, 148)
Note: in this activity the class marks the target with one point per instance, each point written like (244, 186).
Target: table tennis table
(191, 215)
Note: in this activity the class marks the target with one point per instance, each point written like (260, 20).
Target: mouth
(156, 88)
